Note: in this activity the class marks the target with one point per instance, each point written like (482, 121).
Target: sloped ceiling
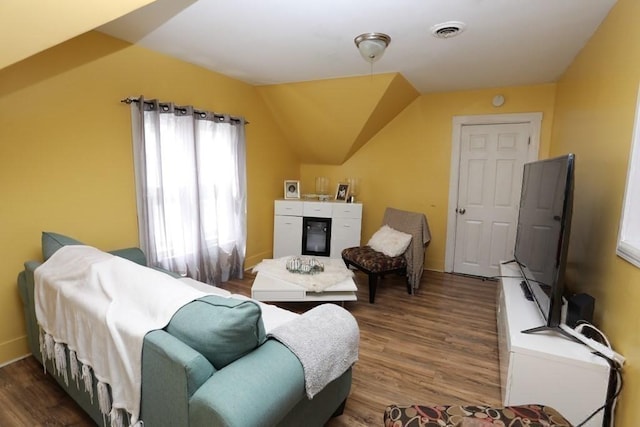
(504, 42)
(28, 27)
(326, 121)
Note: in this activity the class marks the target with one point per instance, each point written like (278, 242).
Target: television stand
(545, 367)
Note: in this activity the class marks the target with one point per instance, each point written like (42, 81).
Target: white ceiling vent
(446, 30)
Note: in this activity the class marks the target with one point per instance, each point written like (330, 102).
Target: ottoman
(473, 416)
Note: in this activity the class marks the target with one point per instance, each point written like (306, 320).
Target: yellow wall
(326, 121)
(66, 162)
(27, 28)
(406, 165)
(596, 102)
(66, 159)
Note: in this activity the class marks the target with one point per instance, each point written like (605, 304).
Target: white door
(490, 177)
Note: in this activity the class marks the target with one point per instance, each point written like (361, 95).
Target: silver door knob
(461, 211)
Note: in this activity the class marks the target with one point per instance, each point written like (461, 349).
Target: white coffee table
(270, 288)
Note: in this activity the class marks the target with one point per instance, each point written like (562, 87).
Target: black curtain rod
(129, 100)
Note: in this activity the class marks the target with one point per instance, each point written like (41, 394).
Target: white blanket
(334, 272)
(325, 339)
(99, 306)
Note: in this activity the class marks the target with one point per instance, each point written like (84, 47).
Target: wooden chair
(376, 264)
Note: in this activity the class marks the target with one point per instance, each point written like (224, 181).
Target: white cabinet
(317, 209)
(345, 227)
(346, 210)
(288, 208)
(545, 368)
(287, 231)
(346, 223)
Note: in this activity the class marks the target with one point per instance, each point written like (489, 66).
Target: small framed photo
(342, 192)
(291, 189)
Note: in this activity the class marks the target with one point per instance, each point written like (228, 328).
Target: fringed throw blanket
(325, 339)
(414, 223)
(334, 272)
(101, 306)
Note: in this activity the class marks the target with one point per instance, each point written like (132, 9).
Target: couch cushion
(51, 242)
(221, 329)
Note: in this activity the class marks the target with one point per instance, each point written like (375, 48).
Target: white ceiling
(505, 43)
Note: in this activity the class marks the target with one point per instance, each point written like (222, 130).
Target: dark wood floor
(436, 347)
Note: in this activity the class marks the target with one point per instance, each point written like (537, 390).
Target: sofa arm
(26, 287)
(171, 372)
(258, 389)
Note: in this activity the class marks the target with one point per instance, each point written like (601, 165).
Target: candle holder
(354, 184)
(322, 187)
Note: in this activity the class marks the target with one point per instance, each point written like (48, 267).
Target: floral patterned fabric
(372, 261)
(473, 416)
(375, 264)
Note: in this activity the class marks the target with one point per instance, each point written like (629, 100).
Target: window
(629, 235)
(191, 189)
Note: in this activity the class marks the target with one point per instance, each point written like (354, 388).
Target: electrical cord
(582, 324)
(610, 404)
(612, 400)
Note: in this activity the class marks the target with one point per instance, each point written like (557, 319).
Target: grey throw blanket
(325, 339)
(413, 223)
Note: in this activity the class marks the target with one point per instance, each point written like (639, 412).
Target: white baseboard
(14, 360)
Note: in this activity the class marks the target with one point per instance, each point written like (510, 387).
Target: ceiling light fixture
(372, 45)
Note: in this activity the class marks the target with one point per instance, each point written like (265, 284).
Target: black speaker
(580, 307)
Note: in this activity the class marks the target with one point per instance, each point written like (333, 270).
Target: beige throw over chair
(376, 264)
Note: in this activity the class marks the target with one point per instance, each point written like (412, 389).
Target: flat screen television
(542, 237)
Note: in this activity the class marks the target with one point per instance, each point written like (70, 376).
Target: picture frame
(342, 192)
(291, 189)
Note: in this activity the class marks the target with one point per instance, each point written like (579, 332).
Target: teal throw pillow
(221, 329)
(51, 242)
(132, 254)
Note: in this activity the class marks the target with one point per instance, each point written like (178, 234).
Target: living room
(66, 162)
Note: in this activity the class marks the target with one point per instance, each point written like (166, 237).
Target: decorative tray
(304, 265)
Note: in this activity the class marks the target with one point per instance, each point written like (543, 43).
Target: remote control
(526, 291)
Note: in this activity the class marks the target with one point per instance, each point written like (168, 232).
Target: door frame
(533, 119)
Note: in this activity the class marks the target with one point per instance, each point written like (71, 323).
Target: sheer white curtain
(191, 189)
